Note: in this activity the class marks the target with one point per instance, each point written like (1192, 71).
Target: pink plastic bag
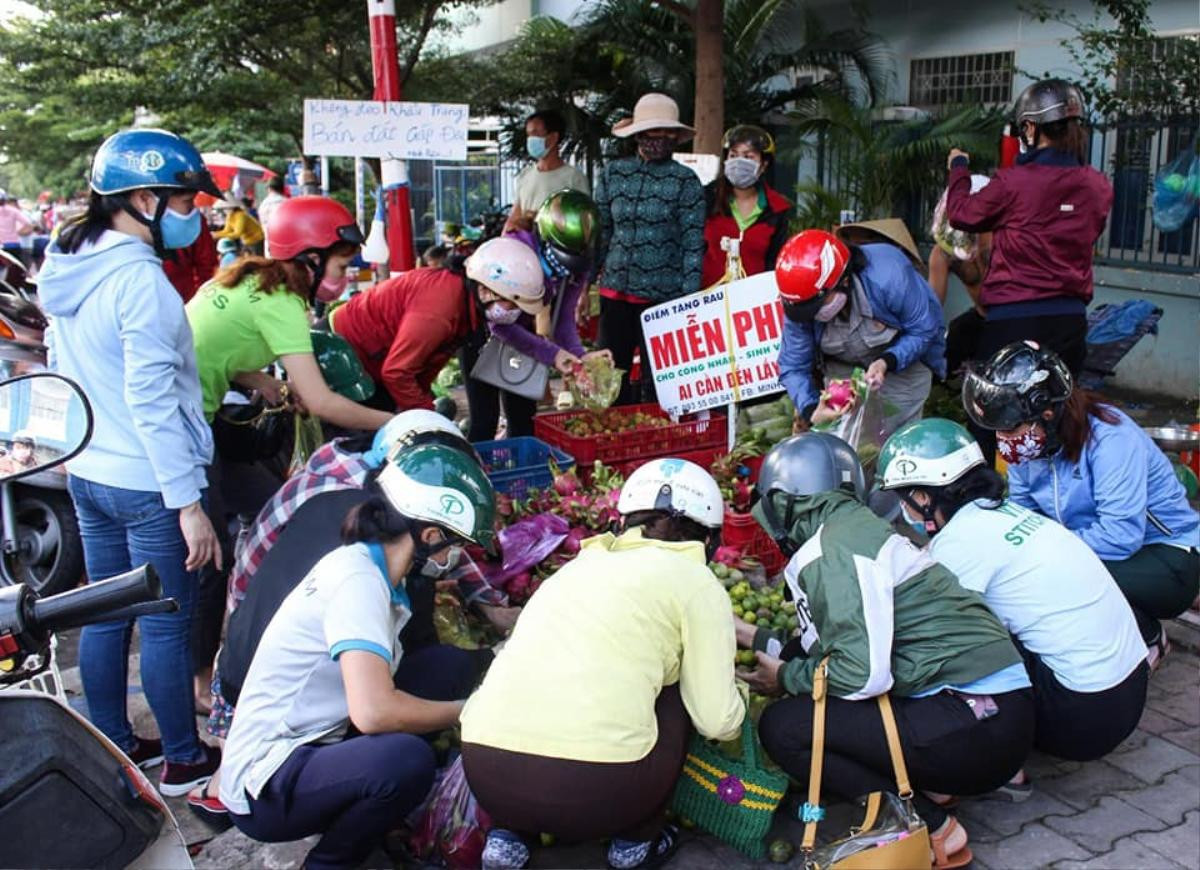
(451, 824)
(526, 543)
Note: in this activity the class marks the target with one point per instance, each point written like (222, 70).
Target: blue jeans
(122, 529)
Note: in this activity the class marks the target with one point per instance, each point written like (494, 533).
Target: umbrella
(226, 169)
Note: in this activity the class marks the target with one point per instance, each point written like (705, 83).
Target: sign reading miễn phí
(717, 346)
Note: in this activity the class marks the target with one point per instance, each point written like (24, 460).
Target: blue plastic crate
(517, 465)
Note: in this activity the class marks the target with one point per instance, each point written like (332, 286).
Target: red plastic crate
(675, 439)
(744, 532)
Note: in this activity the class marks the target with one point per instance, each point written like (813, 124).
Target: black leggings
(1065, 334)
(1083, 726)
(946, 749)
(1159, 582)
(621, 334)
(483, 399)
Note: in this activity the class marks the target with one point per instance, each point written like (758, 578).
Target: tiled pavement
(1137, 808)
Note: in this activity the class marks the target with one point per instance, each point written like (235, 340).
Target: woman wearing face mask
(330, 659)
(744, 207)
(406, 328)
(257, 311)
(118, 329)
(1087, 465)
(564, 239)
(890, 619)
(652, 233)
(1074, 629)
(1046, 214)
(856, 306)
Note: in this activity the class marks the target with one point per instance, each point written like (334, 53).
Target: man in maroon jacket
(1046, 213)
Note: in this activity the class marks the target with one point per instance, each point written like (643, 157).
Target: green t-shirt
(744, 222)
(241, 329)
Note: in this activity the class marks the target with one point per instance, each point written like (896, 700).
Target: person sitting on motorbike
(240, 225)
(889, 619)
(21, 456)
(119, 330)
(256, 311)
(581, 725)
(856, 305)
(1080, 461)
(405, 329)
(1071, 624)
(564, 238)
(330, 661)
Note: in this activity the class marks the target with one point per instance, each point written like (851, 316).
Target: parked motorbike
(39, 537)
(68, 796)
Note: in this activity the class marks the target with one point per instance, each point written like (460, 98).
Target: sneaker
(209, 809)
(146, 753)
(178, 779)
(630, 854)
(504, 850)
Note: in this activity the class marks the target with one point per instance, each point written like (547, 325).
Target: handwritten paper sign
(704, 345)
(370, 128)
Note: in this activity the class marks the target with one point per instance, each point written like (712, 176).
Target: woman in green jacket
(889, 619)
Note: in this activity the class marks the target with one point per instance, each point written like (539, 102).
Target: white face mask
(834, 304)
(742, 172)
(437, 570)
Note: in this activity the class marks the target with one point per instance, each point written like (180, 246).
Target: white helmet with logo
(676, 486)
(403, 428)
(511, 270)
(442, 485)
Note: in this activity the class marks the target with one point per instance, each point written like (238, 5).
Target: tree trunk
(710, 76)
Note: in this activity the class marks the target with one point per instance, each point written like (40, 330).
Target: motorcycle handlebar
(96, 601)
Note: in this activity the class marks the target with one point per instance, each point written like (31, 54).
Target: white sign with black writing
(372, 128)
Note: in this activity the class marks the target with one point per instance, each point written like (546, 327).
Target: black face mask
(804, 312)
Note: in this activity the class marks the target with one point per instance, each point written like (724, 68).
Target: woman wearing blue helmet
(119, 330)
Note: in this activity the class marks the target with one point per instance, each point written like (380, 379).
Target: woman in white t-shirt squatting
(1068, 618)
(327, 661)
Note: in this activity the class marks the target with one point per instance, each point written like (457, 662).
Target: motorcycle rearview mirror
(45, 421)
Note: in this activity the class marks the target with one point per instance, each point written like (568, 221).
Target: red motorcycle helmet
(310, 223)
(810, 264)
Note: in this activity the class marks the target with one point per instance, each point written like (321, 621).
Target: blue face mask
(918, 525)
(180, 230)
(536, 145)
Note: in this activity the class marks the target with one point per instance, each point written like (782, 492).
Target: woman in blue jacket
(849, 306)
(119, 330)
(1091, 468)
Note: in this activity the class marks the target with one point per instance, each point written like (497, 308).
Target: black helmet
(1047, 101)
(805, 465)
(748, 134)
(1017, 385)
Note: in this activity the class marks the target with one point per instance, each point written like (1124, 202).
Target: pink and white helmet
(510, 269)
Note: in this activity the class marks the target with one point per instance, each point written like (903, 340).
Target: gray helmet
(805, 465)
(1047, 101)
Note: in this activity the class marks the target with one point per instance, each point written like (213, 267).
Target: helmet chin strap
(154, 224)
(928, 512)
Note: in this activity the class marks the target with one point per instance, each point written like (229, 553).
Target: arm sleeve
(850, 599)
(604, 208)
(473, 585)
(706, 680)
(357, 617)
(980, 211)
(1018, 489)
(1119, 474)
(416, 341)
(692, 214)
(796, 364)
(152, 326)
(566, 331)
(917, 314)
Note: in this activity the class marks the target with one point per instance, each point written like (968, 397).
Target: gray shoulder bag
(505, 367)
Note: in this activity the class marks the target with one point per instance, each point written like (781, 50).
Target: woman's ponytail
(374, 521)
(90, 225)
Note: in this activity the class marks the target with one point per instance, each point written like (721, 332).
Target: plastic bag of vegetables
(595, 383)
(957, 243)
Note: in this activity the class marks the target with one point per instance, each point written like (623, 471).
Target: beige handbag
(892, 836)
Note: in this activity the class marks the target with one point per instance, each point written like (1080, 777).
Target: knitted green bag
(731, 799)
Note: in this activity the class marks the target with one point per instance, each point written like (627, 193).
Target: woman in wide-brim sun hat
(652, 213)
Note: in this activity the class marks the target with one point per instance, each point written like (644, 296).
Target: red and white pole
(382, 15)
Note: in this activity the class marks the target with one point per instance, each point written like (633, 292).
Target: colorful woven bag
(731, 799)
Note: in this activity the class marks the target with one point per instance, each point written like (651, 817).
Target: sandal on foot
(1013, 791)
(950, 834)
(945, 801)
(504, 850)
